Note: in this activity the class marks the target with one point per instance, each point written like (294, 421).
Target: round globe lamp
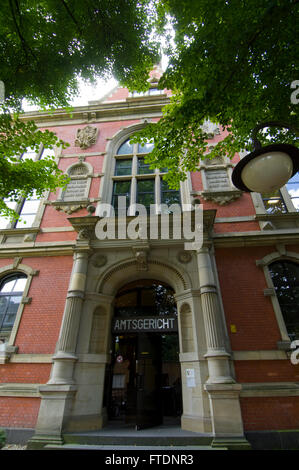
(266, 169)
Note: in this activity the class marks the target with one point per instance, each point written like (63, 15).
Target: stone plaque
(76, 190)
(217, 180)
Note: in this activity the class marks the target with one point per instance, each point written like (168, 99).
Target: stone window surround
(9, 339)
(259, 205)
(29, 233)
(114, 143)
(280, 254)
(224, 195)
(87, 176)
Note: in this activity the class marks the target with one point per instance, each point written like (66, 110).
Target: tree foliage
(232, 62)
(45, 47)
(20, 178)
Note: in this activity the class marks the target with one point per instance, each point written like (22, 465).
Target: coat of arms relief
(86, 137)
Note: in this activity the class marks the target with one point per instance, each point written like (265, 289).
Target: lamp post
(266, 169)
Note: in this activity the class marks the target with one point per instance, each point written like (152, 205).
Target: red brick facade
(249, 315)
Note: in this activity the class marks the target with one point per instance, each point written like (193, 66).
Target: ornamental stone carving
(184, 257)
(86, 137)
(210, 129)
(99, 260)
(221, 197)
(141, 255)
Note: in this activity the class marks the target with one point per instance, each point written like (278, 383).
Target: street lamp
(266, 169)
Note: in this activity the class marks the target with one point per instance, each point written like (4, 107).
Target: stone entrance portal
(143, 379)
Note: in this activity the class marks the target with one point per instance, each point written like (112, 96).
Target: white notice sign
(190, 376)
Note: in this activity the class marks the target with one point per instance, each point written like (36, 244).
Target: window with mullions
(169, 196)
(144, 168)
(151, 92)
(123, 167)
(274, 203)
(134, 179)
(293, 190)
(32, 154)
(285, 278)
(121, 189)
(146, 193)
(27, 210)
(11, 292)
(284, 200)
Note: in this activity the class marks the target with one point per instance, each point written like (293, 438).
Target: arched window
(136, 181)
(285, 277)
(11, 291)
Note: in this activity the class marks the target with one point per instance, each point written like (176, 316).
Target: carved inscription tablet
(76, 190)
(217, 179)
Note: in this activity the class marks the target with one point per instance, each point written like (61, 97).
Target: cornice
(37, 249)
(247, 239)
(112, 110)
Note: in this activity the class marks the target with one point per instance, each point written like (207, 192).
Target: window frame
(8, 278)
(156, 175)
(281, 255)
(292, 262)
(20, 204)
(106, 187)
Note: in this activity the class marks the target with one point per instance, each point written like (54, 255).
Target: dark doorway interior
(143, 381)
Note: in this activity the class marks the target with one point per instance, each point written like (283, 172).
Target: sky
(87, 93)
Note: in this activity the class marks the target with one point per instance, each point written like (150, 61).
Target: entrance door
(148, 381)
(144, 375)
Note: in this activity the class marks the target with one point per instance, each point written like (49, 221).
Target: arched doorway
(143, 380)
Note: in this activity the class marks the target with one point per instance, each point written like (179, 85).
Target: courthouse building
(139, 332)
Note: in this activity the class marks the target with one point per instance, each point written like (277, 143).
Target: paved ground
(13, 447)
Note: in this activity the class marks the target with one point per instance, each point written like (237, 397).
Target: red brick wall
(25, 373)
(37, 334)
(39, 328)
(266, 371)
(18, 412)
(40, 323)
(242, 286)
(270, 413)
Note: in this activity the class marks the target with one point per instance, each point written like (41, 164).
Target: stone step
(145, 438)
(136, 448)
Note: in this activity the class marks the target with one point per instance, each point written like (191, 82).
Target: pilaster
(58, 394)
(223, 391)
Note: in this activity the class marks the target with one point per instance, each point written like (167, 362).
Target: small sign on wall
(190, 376)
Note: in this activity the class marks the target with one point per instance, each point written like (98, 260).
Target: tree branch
(25, 45)
(71, 15)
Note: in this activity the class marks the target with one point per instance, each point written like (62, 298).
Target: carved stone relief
(220, 197)
(184, 257)
(86, 137)
(210, 129)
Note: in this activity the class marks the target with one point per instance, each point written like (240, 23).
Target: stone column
(217, 356)
(65, 357)
(222, 389)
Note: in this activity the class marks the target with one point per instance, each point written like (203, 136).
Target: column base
(226, 413)
(54, 412)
